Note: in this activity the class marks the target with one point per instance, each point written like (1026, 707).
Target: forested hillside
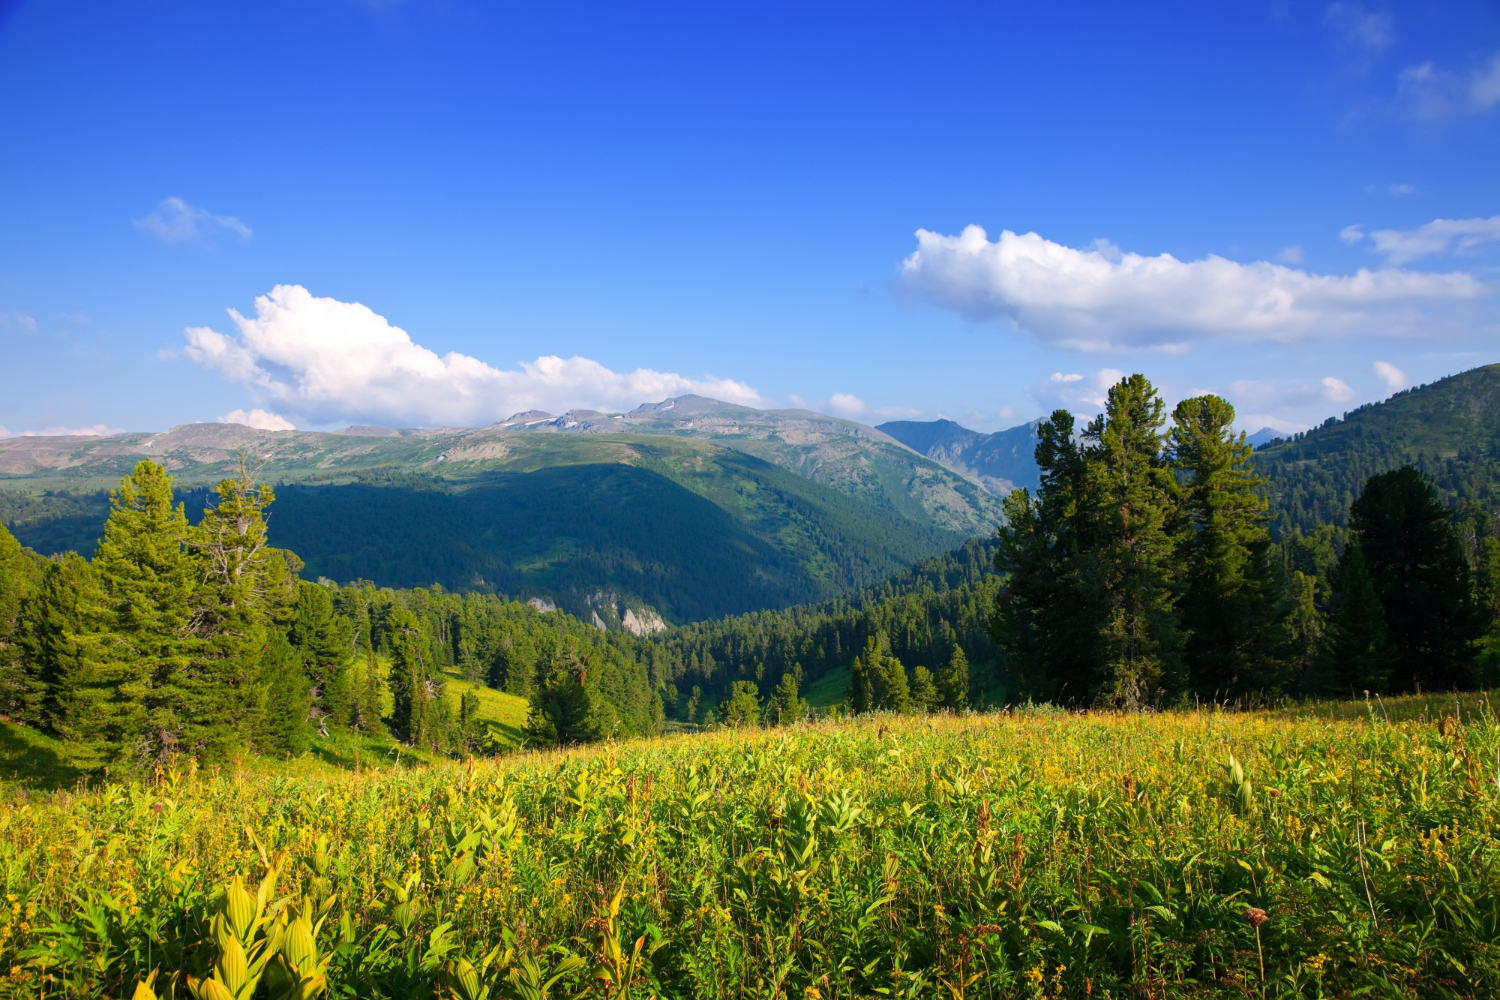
(719, 510)
(1449, 429)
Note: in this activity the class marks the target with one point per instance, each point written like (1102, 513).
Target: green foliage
(785, 706)
(953, 682)
(1418, 568)
(877, 680)
(742, 706)
(1142, 569)
(20, 576)
(1027, 854)
(1447, 430)
(1357, 654)
(281, 728)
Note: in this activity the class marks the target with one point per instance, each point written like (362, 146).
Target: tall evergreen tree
(133, 628)
(20, 580)
(1135, 506)
(953, 681)
(413, 688)
(924, 691)
(1049, 618)
(1226, 599)
(325, 641)
(1357, 653)
(1419, 571)
(245, 591)
(282, 727)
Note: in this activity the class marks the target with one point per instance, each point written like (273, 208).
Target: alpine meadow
(749, 501)
(1102, 752)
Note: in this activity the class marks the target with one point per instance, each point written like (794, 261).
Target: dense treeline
(1143, 570)
(1448, 430)
(200, 639)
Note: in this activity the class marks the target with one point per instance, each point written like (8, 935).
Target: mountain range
(689, 508)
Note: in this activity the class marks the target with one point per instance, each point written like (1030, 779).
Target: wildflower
(1254, 916)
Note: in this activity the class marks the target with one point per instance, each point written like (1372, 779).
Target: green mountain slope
(1449, 429)
(599, 523)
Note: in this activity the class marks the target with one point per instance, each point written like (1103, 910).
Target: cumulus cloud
(1100, 298)
(845, 405)
(1286, 405)
(1429, 92)
(323, 360)
(1390, 375)
(260, 419)
(175, 221)
(1401, 246)
(94, 430)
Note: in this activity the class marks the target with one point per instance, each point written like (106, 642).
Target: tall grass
(1031, 854)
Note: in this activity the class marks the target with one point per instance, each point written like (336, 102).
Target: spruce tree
(133, 629)
(784, 706)
(325, 641)
(368, 704)
(412, 686)
(20, 580)
(1225, 598)
(1134, 506)
(924, 691)
(245, 592)
(1049, 618)
(953, 681)
(741, 707)
(282, 728)
(1419, 571)
(52, 643)
(1357, 652)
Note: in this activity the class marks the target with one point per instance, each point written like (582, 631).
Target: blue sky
(727, 198)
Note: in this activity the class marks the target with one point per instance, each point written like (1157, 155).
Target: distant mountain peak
(1001, 462)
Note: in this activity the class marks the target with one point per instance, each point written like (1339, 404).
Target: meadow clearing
(1323, 851)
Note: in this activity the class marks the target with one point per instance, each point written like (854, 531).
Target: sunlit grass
(1025, 854)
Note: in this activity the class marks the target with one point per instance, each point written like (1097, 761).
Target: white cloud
(1291, 255)
(323, 360)
(260, 419)
(1085, 394)
(1401, 246)
(1372, 30)
(175, 221)
(1286, 405)
(1399, 190)
(1091, 300)
(94, 430)
(845, 405)
(1391, 375)
(1429, 92)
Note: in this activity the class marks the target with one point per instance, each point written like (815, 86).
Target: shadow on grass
(28, 759)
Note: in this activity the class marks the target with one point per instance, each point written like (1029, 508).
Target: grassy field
(1315, 852)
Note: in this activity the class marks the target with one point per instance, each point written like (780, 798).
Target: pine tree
(132, 626)
(953, 681)
(412, 686)
(1357, 652)
(742, 705)
(20, 581)
(568, 710)
(1225, 598)
(368, 704)
(861, 686)
(1049, 618)
(1419, 571)
(282, 728)
(246, 591)
(325, 640)
(1135, 498)
(1302, 631)
(784, 706)
(924, 691)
